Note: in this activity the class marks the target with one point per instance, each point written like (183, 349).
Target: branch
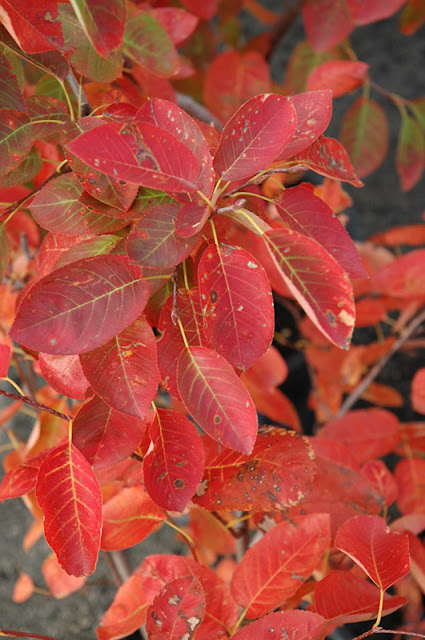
(35, 404)
(197, 110)
(80, 94)
(370, 377)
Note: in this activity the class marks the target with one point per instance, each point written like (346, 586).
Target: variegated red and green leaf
(70, 498)
(410, 159)
(103, 23)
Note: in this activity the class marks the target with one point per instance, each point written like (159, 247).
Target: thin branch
(35, 404)
(285, 22)
(198, 110)
(80, 94)
(377, 368)
(10, 633)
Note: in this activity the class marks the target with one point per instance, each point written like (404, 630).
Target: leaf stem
(186, 344)
(381, 605)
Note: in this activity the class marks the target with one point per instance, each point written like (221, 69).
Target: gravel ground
(397, 63)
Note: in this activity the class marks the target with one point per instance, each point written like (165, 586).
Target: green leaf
(410, 159)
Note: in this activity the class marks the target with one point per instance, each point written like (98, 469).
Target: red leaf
(410, 153)
(74, 309)
(326, 22)
(123, 372)
(365, 12)
(340, 76)
(102, 24)
(53, 246)
(305, 213)
(10, 92)
(232, 78)
(169, 117)
(255, 136)
(234, 291)
(155, 158)
(127, 613)
(413, 17)
(177, 610)
(58, 208)
(342, 597)
(22, 478)
(105, 436)
(128, 518)
(64, 374)
(290, 625)
(316, 281)
(274, 568)
(410, 477)
(417, 559)
(69, 496)
(365, 135)
(174, 468)
(368, 433)
(178, 23)
(369, 542)
(59, 582)
(277, 474)
(216, 398)
(313, 110)
(269, 371)
(404, 277)
(409, 234)
(23, 589)
(5, 354)
(328, 157)
(170, 344)
(220, 608)
(35, 29)
(205, 10)
(382, 479)
(153, 241)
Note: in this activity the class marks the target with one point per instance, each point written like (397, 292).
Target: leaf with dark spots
(177, 610)
(277, 474)
(234, 290)
(216, 398)
(174, 467)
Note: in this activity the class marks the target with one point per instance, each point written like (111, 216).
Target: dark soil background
(397, 63)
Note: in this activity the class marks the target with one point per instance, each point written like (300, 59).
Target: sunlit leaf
(128, 518)
(105, 436)
(304, 212)
(174, 467)
(127, 613)
(340, 76)
(369, 542)
(285, 625)
(365, 135)
(216, 398)
(81, 306)
(274, 568)
(410, 160)
(153, 241)
(56, 207)
(220, 608)
(234, 289)
(64, 374)
(123, 371)
(255, 136)
(33, 29)
(316, 281)
(342, 597)
(69, 496)
(232, 78)
(277, 474)
(102, 24)
(177, 610)
(147, 43)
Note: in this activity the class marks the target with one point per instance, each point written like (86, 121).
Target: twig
(35, 404)
(197, 110)
(369, 378)
(284, 23)
(80, 94)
